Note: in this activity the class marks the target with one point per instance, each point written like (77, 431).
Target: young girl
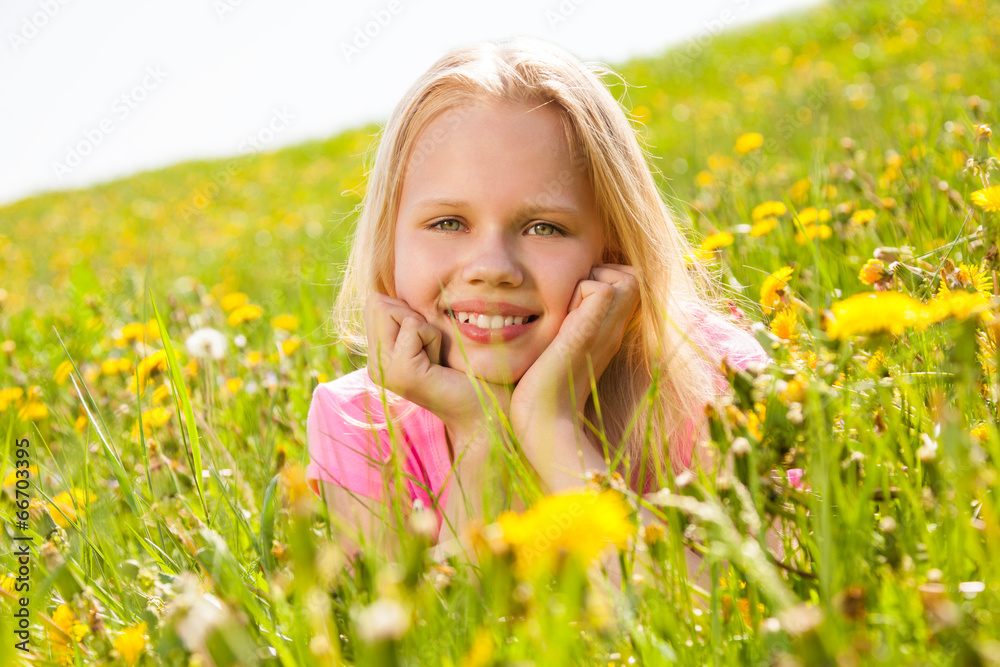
(513, 247)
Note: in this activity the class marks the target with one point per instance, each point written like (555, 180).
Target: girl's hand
(404, 356)
(594, 326)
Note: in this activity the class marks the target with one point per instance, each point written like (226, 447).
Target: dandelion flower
(9, 396)
(783, 324)
(63, 371)
(716, 241)
(800, 190)
(987, 199)
(69, 633)
(749, 142)
(763, 227)
(774, 288)
(234, 301)
(287, 322)
(33, 411)
(289, 346)
(769, 209)
(876, 312)
(863, 216)
(244, 313)
(872, 272)
(131, 643)
(579, 523)
(152, 418)
(207, 343)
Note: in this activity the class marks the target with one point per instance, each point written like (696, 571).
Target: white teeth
(488, 321)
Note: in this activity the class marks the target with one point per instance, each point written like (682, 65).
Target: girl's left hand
(594, 326)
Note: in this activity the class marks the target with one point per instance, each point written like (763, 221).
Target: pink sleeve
(348, 455)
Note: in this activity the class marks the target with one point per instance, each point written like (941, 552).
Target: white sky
(201, 77)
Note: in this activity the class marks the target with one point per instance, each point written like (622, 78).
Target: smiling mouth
(490, 321)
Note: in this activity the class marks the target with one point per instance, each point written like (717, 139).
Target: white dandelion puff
(207, 343)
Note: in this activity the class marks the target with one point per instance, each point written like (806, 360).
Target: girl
(513, 250)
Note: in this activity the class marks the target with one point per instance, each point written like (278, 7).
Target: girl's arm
(359, 520)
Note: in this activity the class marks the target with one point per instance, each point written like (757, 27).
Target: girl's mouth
(482, 328)
(490, 321)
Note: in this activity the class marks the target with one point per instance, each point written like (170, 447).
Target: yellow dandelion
(152, 418)
(234, 301)
(769, 209)
(254, 358)
(81, 423)
(783, 324)
(830, 191)
(763, 227)
(704, 178)
(244, 313)
(749, 142)
(876, 312)
(134, 331)
(800, 191)
(718, 162)
(63, 371)
(153, 329)
(863, 216)
(131, 643)
(11, 479)
(980, 432)
(153, 364)
(876, 361)
(579, 523)
(979, 280)
(697, 256)
(810, 233)
(233, 385)
(812, 215)
(715, 241)
(161, 393)
(33, 411)
(960, 305)
(70, 632)
(290, 345)
(287, 322)
(8, 583)
(987, 199)
(773, 289)
(66, 505)
(872, 272)
(10, 396)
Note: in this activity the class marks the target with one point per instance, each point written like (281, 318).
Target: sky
(99, 89)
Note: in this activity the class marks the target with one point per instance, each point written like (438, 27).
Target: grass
(867, 114)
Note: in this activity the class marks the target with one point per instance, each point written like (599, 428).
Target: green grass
(891, 545)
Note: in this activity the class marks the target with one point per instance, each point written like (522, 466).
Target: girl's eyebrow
(529, 209)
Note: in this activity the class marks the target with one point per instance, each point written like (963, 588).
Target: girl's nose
(494, 262)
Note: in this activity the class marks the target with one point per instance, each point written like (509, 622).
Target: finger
(587, 289)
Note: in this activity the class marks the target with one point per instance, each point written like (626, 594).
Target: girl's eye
(544, 229)
(447, 225)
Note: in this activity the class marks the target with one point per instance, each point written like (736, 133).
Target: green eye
(446, 225)
(544, 229)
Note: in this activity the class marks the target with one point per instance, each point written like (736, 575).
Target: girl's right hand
(404, 353)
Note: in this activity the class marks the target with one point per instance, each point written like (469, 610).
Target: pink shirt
(344, 450)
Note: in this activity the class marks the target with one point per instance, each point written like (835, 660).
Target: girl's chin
(491, 371)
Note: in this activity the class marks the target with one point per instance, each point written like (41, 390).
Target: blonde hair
(662, 340)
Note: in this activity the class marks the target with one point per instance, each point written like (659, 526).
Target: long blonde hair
(662, 340)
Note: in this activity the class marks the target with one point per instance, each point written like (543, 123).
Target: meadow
(836, 172)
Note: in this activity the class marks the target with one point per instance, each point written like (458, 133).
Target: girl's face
(496, 226)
